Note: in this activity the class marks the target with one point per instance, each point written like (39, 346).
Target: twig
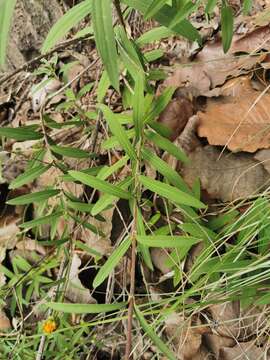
(34, 62)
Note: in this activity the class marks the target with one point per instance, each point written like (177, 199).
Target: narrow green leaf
(103, 86)
(160, 103)
(71, 18)
(100, 185)
(105, 40)
(210, 6)
(6, 12)
(138, 105)
(167, 145)
(48, 219)
(107, 171)
(85, 308)
(111, 263)
(153, 336)
(226, 26)
(80, 206)
(163, 168)
(155, 34)
(247, 6)
(167, 241)
(118, 131)
(170, 192)
(33, 197)
(106, 200)
(21, 134)
(183, 12)
(144, 250)
(164, 17)
(70, 152)
(113, 141)
(28, 176)
(154, 7)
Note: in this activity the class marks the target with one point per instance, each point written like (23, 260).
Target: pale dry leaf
(9, 230)
(228, 178)
(240, 123)
(263, 156)
(212, 67)
(226, 316)
(186, 339)
(159, 257)
(215, 342)
(75, 291)
(4, 322)
(243, 351)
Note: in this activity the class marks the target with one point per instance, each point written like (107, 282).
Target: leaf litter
(221, 141)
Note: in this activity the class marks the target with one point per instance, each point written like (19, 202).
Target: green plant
(234, 263)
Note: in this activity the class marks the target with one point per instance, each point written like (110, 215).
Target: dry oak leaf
(212, 67)
(240, 123)
(243, 351)
(228, 178)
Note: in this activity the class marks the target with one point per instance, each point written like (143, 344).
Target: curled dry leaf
(240, 123)
(226, 316)
(244, 351)
(213, 67)
(4, 321)
(75, 291)
(186, 339)
(216, 342)
(176, 115)
(228, 178)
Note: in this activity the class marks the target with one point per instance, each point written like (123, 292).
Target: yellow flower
(49, 326)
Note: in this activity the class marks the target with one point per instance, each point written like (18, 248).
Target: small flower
(49, 326)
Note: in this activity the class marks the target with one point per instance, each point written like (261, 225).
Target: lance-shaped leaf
(105, 39)
(6, 11)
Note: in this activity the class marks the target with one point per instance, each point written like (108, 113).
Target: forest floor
(219, 115)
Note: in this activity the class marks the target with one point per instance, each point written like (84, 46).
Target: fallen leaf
(176, 115)
(75, 291)
(159, 258)
(212, 67)
(186, 339)
(4, 321)
(243, 351)
(240, 123)
(228, 178)
(216, 342)
(263, 156)
(226, 316)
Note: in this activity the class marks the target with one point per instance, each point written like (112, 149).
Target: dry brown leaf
(203, 354)
(263, 156)
(176, 115)
(75, 291)
(186, 339)
(243, 351)
(4, 321)
(226, 316)
(228, 178)
(212, 67)
(9, 231)
(159, 258)
(240, 123)
(216, 342)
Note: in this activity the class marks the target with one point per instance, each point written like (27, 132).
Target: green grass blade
(85, 308)
(70, 152)
(226, 27)
(111, 263)
(48, 219)
(154, 7)
(20, 134)
(167, 241)
(153, 336)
